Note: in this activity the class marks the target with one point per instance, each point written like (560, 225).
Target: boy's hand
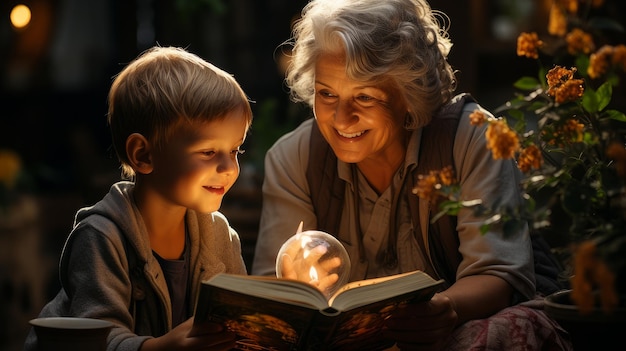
(214, 338)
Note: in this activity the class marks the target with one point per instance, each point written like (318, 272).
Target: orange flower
(562, 87)
(570, 6)
(617, 152)
(446, 176)
(477, 118)
(579, 42)
(605, 279)
(619, 57)
(530, 158)
(573, 131)
(571, 90)
(557, 75)
(582, 291)
(426, 186)
(557, 24)
(10, 166)
(600, 62)
(501, 140)
(528, 45)
(590, 272)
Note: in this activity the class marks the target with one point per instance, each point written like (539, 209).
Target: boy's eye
(234, 152)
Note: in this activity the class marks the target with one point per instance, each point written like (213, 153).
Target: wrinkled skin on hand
(422, 326)
(214, 337)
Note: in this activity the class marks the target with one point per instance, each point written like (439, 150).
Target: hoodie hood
(119, 207)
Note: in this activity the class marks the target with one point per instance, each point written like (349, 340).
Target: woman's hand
(422, 326)
(214, 338)
(307, 265)
(428, 325)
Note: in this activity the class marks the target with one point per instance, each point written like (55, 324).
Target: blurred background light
(20, 16)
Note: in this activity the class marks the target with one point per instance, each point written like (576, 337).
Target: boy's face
(199, 164)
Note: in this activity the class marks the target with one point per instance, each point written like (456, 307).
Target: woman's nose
(345, 113)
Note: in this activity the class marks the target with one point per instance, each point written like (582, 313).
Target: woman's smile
(351, 135)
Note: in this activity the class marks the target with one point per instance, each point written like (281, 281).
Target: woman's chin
(349, 157)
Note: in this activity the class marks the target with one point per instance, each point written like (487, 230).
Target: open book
(269, 313)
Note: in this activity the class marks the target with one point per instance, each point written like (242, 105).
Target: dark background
(56, 72)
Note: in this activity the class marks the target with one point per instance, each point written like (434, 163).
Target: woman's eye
(208, 153)
(365, 98)
(325, 94)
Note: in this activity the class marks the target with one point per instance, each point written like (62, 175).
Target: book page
(286, 290)
(367, 291)
(359, 283)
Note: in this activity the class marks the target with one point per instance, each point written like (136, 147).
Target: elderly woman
(376, 76)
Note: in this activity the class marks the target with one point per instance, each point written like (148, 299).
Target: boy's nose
(227, 164)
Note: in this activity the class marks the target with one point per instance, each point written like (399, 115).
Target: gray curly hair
(401, 40)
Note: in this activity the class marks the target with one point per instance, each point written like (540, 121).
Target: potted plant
(568, 136)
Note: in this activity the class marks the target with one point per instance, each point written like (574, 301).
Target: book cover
(279, 314)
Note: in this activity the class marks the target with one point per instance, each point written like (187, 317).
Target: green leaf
(612, 79)
(603, 95)
(590, 101)
(484, 229)
(615, 115)
(516, 114)
(526, 83)
(451, 207)
(543, 71)
(582, 64)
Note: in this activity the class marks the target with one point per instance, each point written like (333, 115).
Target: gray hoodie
(107, 269)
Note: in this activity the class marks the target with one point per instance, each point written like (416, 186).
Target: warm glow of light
(313, 274)
(20, 16)
(304, 241)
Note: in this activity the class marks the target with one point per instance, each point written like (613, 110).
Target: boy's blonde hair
(166, 86)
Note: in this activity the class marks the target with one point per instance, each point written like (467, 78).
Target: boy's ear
(139, 153)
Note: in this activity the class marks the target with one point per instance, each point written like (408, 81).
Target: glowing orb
(314, 257)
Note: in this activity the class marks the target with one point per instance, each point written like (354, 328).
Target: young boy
(137, 257)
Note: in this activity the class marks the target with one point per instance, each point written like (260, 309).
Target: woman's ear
(139, 153)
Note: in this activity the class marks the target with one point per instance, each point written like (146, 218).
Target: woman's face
(360, 120)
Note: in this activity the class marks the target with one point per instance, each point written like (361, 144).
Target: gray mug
(71, 333)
